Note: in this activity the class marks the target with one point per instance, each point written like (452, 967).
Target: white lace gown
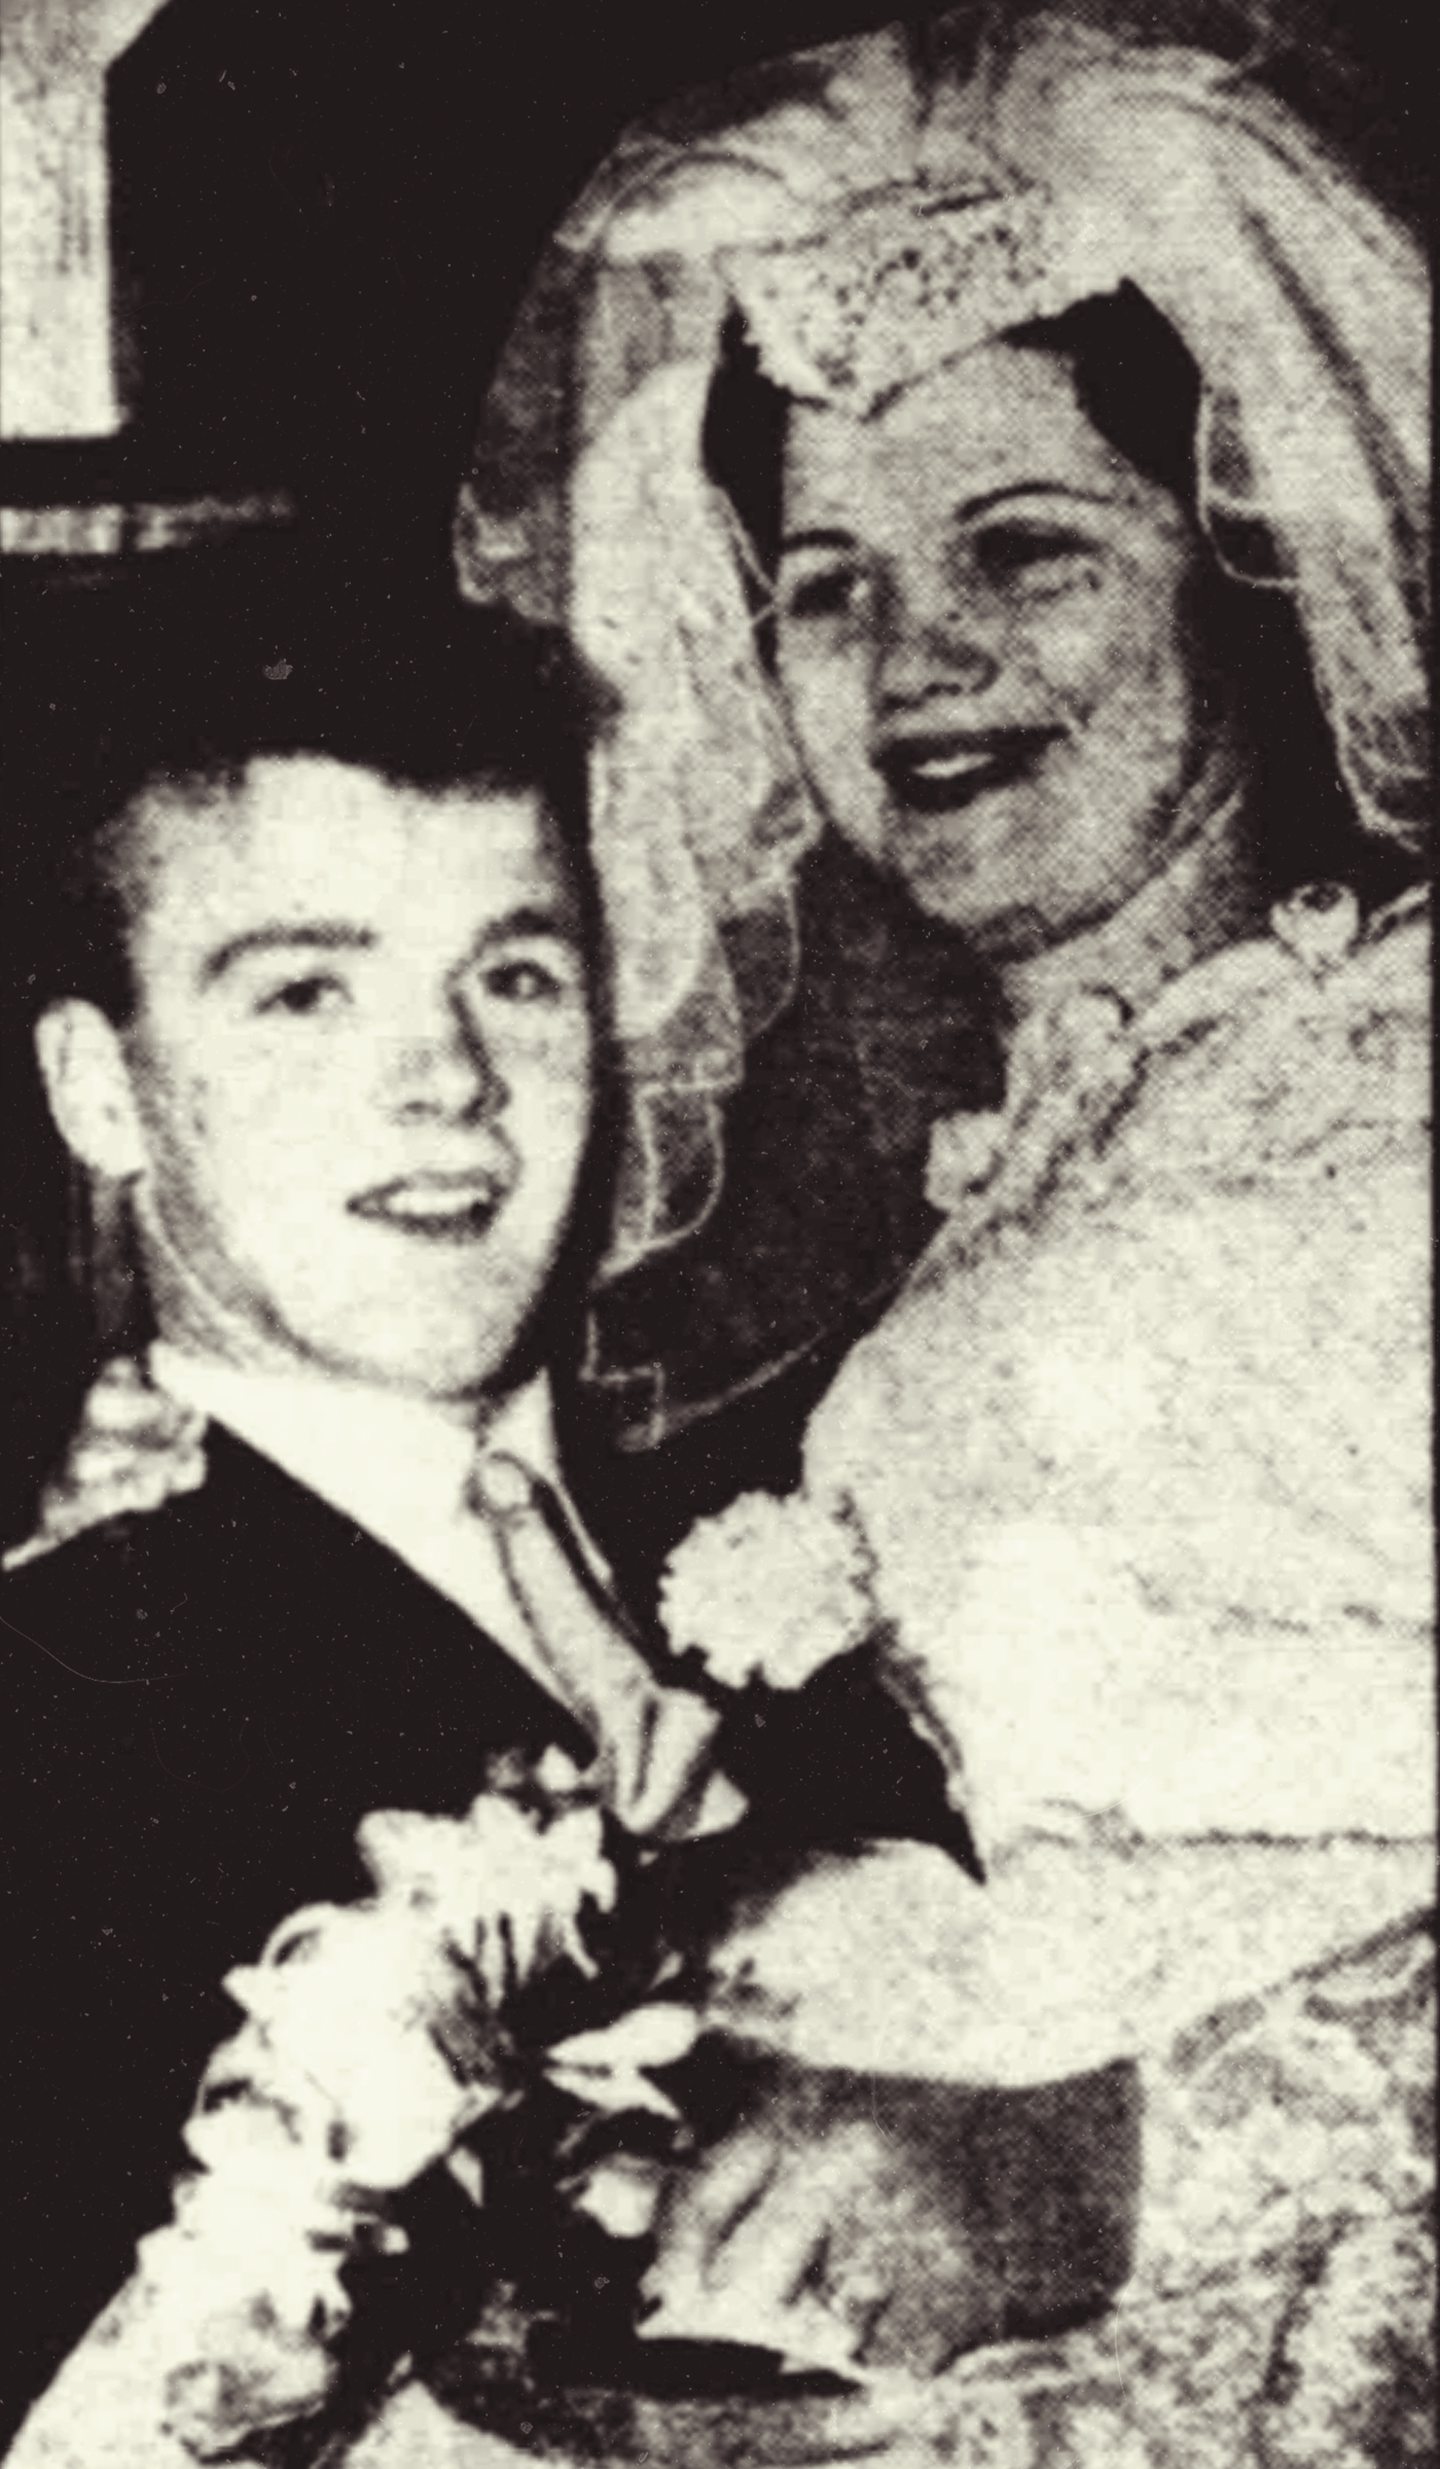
(1143, 1456)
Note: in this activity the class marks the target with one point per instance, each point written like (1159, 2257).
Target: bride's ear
(87, 1081)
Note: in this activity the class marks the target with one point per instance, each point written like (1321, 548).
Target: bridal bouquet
(376, 2037)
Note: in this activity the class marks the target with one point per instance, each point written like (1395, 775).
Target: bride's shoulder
(1299, 1055)
(1318, 958)
(1265, 1134)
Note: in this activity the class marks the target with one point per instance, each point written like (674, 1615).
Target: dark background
(324, 211)
(324, 215)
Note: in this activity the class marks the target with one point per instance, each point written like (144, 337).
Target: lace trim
(1073, 1068)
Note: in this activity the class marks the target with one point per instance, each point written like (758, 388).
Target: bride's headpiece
(900, 282)
(869, 222)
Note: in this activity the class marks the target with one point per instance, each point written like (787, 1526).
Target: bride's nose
(932, 638)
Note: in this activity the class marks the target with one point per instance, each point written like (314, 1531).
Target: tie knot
(500, 1486)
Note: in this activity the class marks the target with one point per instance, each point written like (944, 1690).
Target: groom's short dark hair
(432, 697)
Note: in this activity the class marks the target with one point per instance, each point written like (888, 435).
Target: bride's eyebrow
(969, 507)
(816, 539)
(831, 537)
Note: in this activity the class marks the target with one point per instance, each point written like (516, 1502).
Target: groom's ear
(87, 1082)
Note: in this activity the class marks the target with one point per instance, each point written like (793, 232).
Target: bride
(1015, 465)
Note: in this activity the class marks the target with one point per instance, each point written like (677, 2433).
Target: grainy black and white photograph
(717, 1690)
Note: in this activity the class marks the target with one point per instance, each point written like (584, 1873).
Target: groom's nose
(443, 1068)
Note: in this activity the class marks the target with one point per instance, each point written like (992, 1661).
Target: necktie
(655, 1744)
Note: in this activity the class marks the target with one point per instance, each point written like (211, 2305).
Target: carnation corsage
(770, 1590)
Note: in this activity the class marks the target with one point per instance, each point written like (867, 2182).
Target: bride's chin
(999, 935)
(947, 877)
(1014, 934)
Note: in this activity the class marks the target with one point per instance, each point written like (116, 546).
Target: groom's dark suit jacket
(199, 1706)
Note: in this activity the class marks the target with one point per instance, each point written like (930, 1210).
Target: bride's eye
(821, 592)
(1034, 558)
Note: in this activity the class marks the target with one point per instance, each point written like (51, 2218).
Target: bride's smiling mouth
(436, 1208)
(943, 771)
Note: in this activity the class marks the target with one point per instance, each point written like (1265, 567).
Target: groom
(328, 1004)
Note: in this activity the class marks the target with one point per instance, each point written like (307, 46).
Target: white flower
(622, 2192)
(372, 2026)
(372, 2041)
(607, 2068)
(506, 1887)
(771, 1590)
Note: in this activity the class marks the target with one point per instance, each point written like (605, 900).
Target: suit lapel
(339, 1648)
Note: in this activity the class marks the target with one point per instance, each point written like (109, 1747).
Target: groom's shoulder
(88, 1629)
(103, 1603)
(135, 1594)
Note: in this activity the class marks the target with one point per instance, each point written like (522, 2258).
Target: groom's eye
(532, 977)
(522, 981)
(304, 998)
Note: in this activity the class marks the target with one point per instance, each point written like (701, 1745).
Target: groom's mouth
(939, 772)
(436, 1208)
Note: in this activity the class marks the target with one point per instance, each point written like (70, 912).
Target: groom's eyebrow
(538, 924)
(319, 934)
